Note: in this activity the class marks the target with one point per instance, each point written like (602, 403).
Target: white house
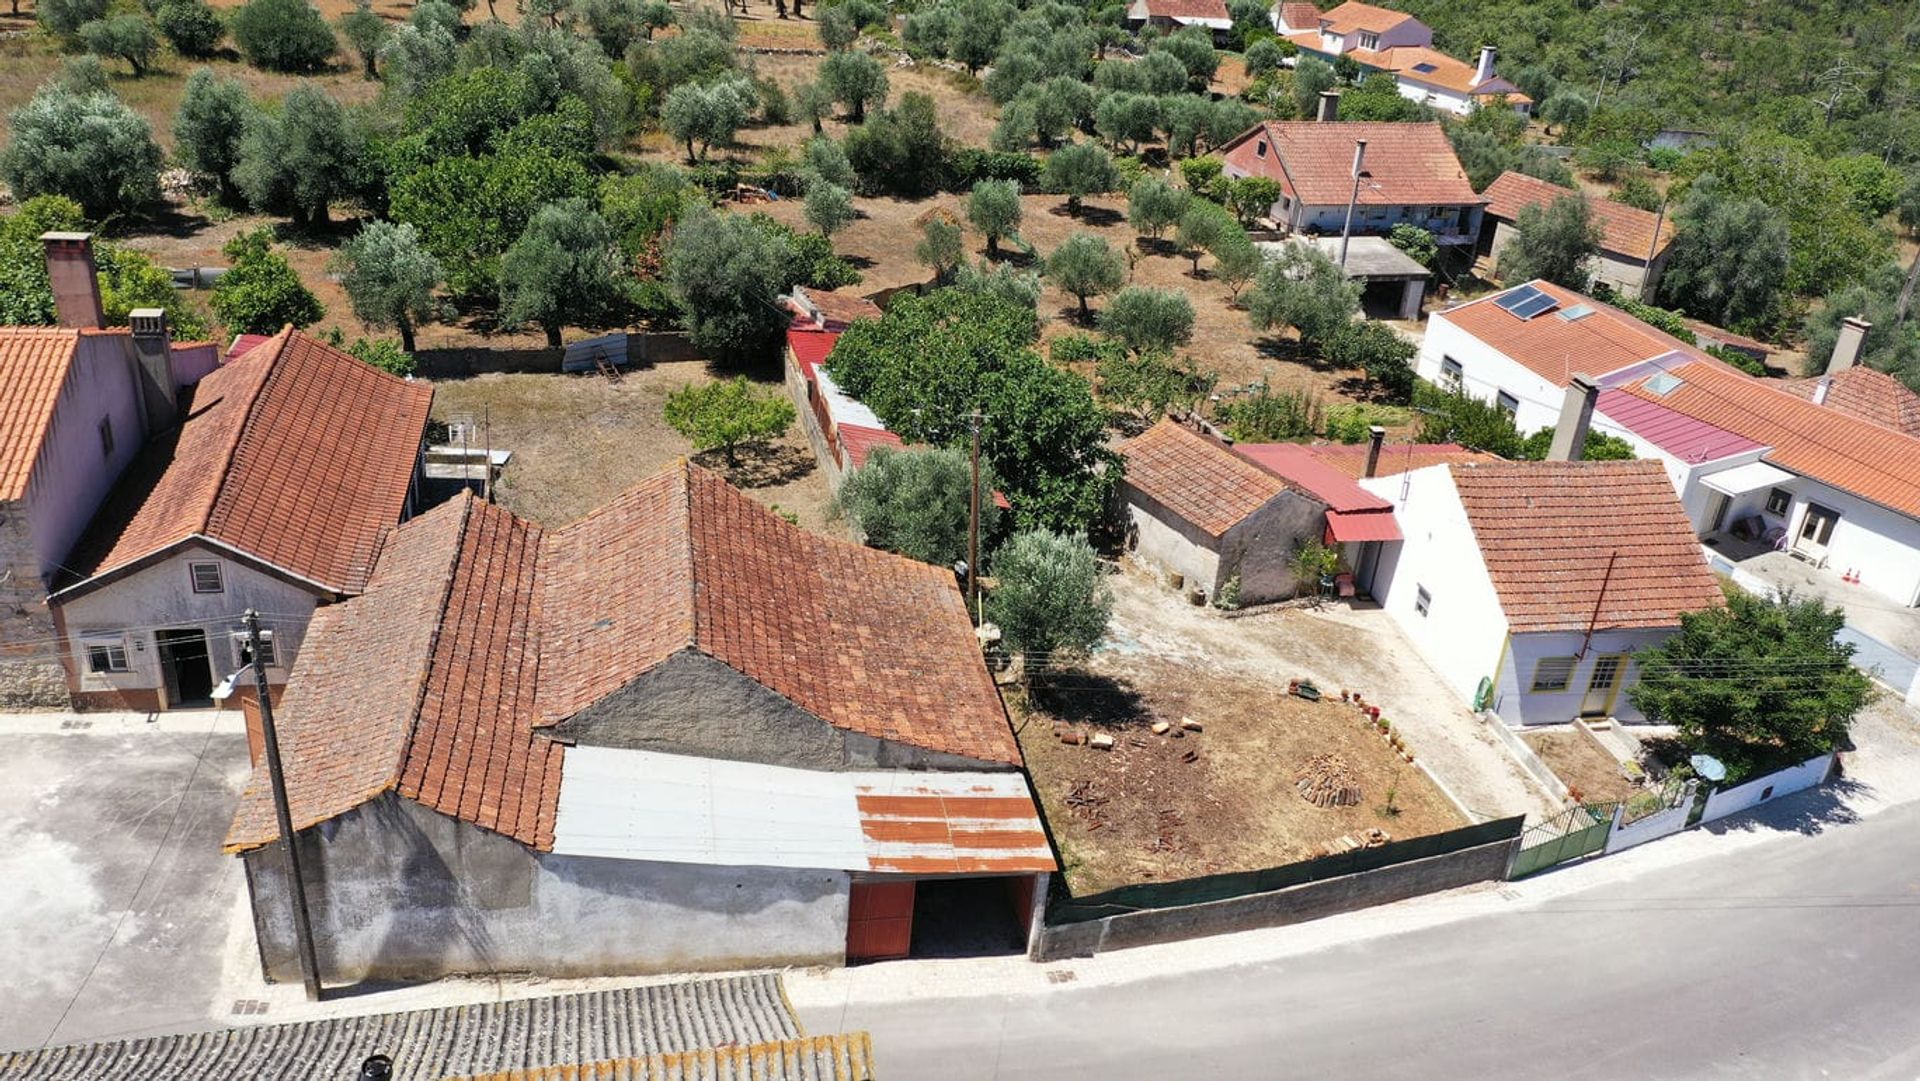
(1379, 39)
(1529, 585)
(1407, 173)
(1759, 465)
(270, 493)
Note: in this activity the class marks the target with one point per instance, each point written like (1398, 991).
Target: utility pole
(1653, 249)
(1346, 231)
(302, 925)
(486, 429)
(973, 519)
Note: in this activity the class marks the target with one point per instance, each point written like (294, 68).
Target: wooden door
(879, 921)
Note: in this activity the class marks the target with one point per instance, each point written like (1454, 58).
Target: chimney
(1485, 70)
(1376, 435)
(1846, 347)
(1576, 414)
(1821, 388)
(153, 350)
(76, 282)
(1329, 107)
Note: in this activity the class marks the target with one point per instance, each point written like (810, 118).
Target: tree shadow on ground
(1077, 696)
(761, 466)
(1814, 811)
(1292, 351)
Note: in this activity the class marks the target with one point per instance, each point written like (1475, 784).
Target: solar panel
(1511, 300)
(1537, 306)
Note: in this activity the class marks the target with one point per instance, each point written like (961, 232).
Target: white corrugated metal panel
(843, 408)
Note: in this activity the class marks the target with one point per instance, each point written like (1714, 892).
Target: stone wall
(30, 673)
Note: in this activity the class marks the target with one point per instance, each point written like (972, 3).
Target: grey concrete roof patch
(427, 1045)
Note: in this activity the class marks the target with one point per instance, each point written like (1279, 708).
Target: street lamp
(1346, 231)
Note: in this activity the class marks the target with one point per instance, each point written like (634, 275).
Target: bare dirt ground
(579, 440)
(1159, 808)
(1586, 769)
(882, 240)
(1337, 646)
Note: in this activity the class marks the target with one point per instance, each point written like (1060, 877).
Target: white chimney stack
(1846, 347)
(1821, 388)
(1485, 70)
(1329, 106)
(1576, 414)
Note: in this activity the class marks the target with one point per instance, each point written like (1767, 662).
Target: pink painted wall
(73, 474)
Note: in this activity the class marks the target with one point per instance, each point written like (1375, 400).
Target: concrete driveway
(117, 901)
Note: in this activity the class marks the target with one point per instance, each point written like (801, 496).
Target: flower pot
(1374, 712)
(1345, 695)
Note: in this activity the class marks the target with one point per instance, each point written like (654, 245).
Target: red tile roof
(246, 343)
(295, 454)
(1838, 448)
(834, 308)
(1867, 394)
(1197, 478)
(1436, 68)
(1556, 349)
(1406, 164)
(1187, 9)
(1625, 231)
(34, 362)
(1353, 15)
(1351, 458)
(1299, 15)
(859, 441)
(867, 641)
(1548, 531)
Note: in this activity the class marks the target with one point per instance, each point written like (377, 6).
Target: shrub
(728, 415)
(918, 502)
(260, 293)
(191, 27)
(283, 35)
(1267, 416)
(970, 165)
(1050, 599)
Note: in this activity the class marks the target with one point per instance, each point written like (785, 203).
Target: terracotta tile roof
(1197, 478)
(867, 641)
(1436, 68)
(296, 454)
(1406, 165)
(1395, 458)
(1548, 530)
(1299, 16)
(1353, 15)
(831, 309)
(1865, 393)
(34, 362)
(1188, 9)
(1556, 349)
(1626, 231)
(1852, 454)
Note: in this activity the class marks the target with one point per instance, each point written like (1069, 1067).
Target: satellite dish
(1708, 766)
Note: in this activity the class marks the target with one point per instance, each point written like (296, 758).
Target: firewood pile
(1325, 781)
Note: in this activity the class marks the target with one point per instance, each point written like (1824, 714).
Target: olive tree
(1149, 320)
(829, 207)
(1079, 170)
(283, 35)
(122, 37)
(389, 278)
(707, 114)
(90, 148)
(994, 208)
(1050, 598)
(917, 502)
(209, 127)
(563, 271)
(1085, 266)
(855, 80)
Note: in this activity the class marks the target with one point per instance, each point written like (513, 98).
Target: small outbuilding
(1634, 243)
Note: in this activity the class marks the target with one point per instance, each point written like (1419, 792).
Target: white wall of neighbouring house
(1518, 703)
(1486, 372)
(1880, 545)
(1463, 628)
(398, 891)
(1166, 542)
(162, 595)
(1438, 97)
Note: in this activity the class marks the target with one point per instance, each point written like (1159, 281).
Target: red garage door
(879, 921)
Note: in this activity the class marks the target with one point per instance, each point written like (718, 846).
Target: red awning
(1351, 527)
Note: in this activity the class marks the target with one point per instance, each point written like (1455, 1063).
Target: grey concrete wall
(401, 892)
(1260, 549)
(1278, 908)
(692, 704)
(1167, 542)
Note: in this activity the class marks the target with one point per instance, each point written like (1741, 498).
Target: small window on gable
(107, 655)
(1369, 40)
(1422, 600)
(206, 578)
(1508, 404)
(1554, 673)
(1779, 501)
(1260, 149)
(106, 437)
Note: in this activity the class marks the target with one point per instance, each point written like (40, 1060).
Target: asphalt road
(114, 897)
(1797, 957)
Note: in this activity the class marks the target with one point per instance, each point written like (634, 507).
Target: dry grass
(1234, 807)
(577, 441)
(1581, 765)
(881, 242)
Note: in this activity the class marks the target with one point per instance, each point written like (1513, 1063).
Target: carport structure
(1391, 279)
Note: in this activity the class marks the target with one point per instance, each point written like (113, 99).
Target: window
(1260, 149)
(106, 437)
(1422, 600)
(1453, 375)
(1554, 673)
(107, 655)
(206, 578)
(1369, 41)
(1508, 404)
(243, 654)
(1779, 500)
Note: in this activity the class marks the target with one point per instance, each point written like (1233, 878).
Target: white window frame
(108, 645)
(1785, 499)
(1546, 686)
(1422, 600)
(1370, 41)
(1453, 374)
(219, 576)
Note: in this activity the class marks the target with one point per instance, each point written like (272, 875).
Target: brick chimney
(1485, 71)
(1376, 435)
(1576, 415)
(1329, 110)
(75, 279)
(1846, 347)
